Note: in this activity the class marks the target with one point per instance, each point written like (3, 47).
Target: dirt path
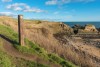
(10, 50)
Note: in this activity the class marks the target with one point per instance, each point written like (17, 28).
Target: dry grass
(42, 34)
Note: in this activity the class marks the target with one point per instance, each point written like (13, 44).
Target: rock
(90, 27)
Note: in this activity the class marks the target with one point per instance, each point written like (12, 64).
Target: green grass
(19, 62)
(4, 60)
(9, 33)
(8, 61)
(61, 61)
(33, 48)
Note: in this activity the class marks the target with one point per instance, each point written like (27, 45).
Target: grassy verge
(8, 61)
(5, 61)
(33, 48)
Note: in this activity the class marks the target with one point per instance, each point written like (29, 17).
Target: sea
(97, 24)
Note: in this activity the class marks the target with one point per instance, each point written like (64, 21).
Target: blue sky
(55, 10)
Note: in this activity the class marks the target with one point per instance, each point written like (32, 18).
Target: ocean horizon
(96, 24)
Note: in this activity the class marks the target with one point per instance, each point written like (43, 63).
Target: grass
(62, 62)
(19, 62)
(33, 48)
(9, 33)
(8, 61)
(5, 61)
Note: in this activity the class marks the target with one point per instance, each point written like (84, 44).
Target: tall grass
(65, 51)
(33, 48)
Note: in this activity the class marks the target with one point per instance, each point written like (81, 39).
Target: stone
(90, 27)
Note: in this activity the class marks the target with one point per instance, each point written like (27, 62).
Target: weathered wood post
(21, 30)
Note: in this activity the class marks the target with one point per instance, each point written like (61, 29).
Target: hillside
(47, 44)
(31, 55)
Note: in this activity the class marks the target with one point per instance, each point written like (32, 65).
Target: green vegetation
(35, 49)
(5, 61)
(31, 48)
(9, 33)
(8, 61)
(62, 62)
(19, 62)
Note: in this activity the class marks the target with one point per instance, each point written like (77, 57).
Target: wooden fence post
(21, 30)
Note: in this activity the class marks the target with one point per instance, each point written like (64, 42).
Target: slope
(31, 52)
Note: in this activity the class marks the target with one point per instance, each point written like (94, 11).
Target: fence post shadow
(9, 40)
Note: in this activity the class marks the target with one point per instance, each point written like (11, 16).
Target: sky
(52, 10)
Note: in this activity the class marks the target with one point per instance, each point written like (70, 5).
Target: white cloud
(23, 7)
(6, 0)
(33, 10)
(66, 1)
(16, 6)
(57, 2)
(7, 14)
(18, 9)
(51, 2)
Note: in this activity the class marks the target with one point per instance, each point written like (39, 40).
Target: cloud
(59, 2)
(33, 10)
(51, 2)
(7, 14)
(23, 7)
(6, 0)
(16, 6)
